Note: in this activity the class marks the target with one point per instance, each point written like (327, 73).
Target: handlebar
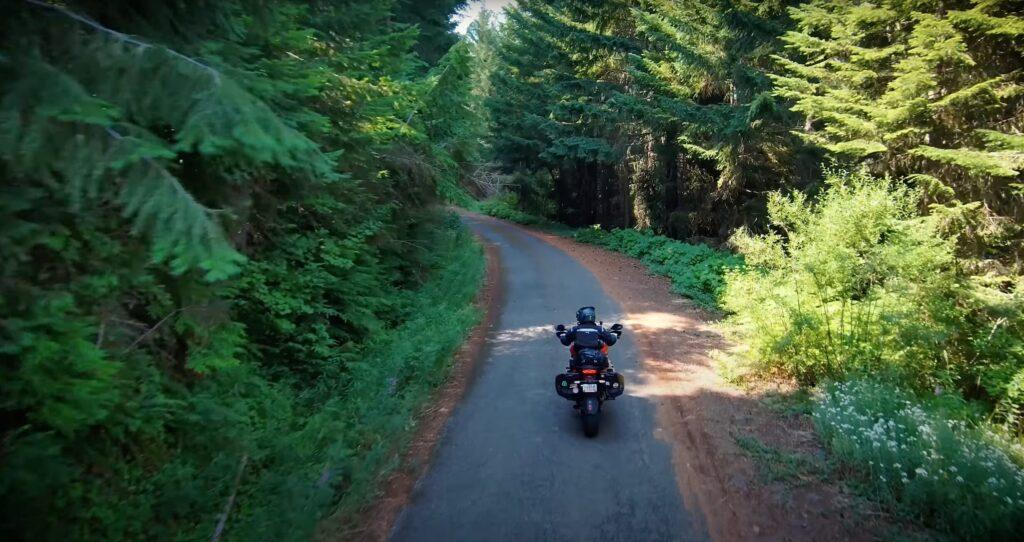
(616, 329)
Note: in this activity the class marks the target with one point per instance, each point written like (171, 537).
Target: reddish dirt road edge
(701, 416)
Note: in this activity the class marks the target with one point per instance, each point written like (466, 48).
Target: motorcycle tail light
(589, 371)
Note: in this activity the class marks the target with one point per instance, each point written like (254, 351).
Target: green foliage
(506, 207)
(433, 19)
(651, 114)
(857, 282)
(697, 271)
(923, 461)
(455, 117)
(919, 88)
(779, 465)
(219, 260)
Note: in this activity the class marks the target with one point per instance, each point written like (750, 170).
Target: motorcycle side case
(563, 386)
(615, 391)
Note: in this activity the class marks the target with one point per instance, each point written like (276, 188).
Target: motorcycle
(590, 383)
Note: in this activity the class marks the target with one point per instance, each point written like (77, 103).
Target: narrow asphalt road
(513, 463)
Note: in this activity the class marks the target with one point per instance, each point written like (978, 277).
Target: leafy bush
(506, 207)
(218, 243)
(165, 461)
(697, 271)
(394, 375)
(959, 478)
(859, 283)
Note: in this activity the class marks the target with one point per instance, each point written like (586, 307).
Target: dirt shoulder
(759, 491)
(377, 521)
(778, 496)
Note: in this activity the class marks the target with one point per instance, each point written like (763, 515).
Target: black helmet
(586, 315)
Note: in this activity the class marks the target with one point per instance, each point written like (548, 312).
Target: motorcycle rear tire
(591, 423)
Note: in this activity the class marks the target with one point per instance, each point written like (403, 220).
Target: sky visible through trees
(471, 12)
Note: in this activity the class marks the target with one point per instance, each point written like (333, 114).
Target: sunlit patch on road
(508, 340)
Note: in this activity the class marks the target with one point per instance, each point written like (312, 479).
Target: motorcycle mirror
(617, 327)
(560, 327)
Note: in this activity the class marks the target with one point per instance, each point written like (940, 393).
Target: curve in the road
(513, 463)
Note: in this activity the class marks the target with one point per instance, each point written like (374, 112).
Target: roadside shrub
(697, 271)
(858, 282)
(993, 338)
(118, 450)
(959, 478)
(506, 207)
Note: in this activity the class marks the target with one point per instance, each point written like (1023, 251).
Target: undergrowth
(506, 207)
(301, 440)
(403, 366)
(697, 271)
(924, 461)
(861, 284)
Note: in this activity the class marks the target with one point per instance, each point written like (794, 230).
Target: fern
(90, 123)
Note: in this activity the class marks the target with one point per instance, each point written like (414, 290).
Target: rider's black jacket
(588, 336)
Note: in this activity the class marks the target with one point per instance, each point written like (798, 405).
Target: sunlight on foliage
(858, 283)
(927, 463)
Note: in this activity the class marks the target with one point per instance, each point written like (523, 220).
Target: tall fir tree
(928, 91)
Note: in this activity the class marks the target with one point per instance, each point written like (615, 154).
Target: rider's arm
(568, 337)
(608, 337)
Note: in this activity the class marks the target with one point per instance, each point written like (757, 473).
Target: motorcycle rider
(586, 335)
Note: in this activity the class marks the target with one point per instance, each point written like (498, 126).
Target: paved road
(513, 463)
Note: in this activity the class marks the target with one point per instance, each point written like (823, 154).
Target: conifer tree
(206, 219)
(657, 111)
(929, 91)
(702, 65)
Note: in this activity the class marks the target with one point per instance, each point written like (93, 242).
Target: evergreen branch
(124, 37)
(167, 175)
